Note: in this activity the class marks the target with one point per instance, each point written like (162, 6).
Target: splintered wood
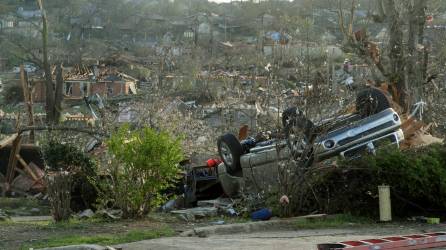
(416, 133)
(30, 175)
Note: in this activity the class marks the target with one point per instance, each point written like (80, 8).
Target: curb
(249, 227)
(77, 247)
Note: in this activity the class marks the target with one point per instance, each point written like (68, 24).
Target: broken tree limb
(88, 131)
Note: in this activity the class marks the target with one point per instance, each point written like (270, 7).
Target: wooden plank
(410, 131)
(13, 160)
(407, 123)
(28, 170)
(39, 173)
(5, 142)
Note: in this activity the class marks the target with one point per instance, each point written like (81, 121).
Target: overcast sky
(220, 1)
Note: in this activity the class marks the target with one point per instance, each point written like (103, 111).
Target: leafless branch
(91, 132)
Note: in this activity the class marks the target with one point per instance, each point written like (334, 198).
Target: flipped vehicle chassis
(373, 125)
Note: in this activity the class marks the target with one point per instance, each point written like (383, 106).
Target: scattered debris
(113, 214)
(262, 214)
(218, 203)
(86, 214)
(284, 200)
(423, 219)
(220, 222)
(168, 206)
(192, 214)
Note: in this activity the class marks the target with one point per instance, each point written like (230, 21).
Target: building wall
(101, 88)
(109, 89)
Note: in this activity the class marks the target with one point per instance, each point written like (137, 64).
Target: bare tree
(399, 62)
(52, 108)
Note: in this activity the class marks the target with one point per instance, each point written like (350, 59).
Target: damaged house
(104, 81)
(82, 81)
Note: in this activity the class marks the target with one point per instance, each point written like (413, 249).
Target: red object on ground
(429, 19)
(405, 242)
(212, 163)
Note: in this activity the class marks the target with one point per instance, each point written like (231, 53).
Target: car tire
(371, 101)
(230, 151)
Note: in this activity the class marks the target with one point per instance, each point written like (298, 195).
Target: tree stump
(59, 193)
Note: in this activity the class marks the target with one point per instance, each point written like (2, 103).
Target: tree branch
(88, 131)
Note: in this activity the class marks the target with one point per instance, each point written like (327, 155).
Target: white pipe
(385, 209)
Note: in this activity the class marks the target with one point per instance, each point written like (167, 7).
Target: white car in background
(29, 68)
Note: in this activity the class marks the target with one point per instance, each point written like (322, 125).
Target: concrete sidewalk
(280, 240)
(277, 239)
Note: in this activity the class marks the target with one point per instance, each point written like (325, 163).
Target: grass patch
(14, 203)
(51, 225)
(332, 221)
(24, 206)
(71, 224)
(102, 239)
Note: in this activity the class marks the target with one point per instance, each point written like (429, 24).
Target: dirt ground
(13, 235)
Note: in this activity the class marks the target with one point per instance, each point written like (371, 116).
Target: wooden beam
(5, 142)
(27, 168)
(13, 159)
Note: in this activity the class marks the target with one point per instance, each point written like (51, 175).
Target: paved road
(276, 240)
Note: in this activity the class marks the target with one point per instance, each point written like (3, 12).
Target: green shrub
(417, 179)
(67, 157)
(83, 170)
(147, 165)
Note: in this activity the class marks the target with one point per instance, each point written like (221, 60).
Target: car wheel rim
(226, 154)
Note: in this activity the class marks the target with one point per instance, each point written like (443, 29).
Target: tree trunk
(58, 93)
(415, 66)
(49, 88)
(28, 99)
(396, 52)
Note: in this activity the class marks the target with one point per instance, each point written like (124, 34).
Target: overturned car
(374, 124)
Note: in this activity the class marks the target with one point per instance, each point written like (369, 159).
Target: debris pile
(22, 175)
